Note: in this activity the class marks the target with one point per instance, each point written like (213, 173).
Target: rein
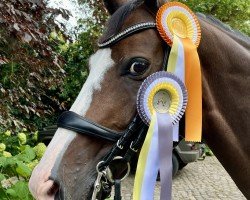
(128, 142)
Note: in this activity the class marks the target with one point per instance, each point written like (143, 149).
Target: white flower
(6, 183)
(2, 147)
(13, 180)
(8, 133)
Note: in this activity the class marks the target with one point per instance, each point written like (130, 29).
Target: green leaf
(3, 195)
(27, 155)
(2, 177)
(23, 157)
(2, 161)
(22, 148)
(23, 170)
(10, 161)
(30, 153)
(22, 190)
(11, 192)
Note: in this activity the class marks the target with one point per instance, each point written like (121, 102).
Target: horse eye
(138, 68)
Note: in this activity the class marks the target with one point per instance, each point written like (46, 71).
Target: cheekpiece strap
(127, 32)
(74, 122)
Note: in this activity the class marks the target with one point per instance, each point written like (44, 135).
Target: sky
(77, 12)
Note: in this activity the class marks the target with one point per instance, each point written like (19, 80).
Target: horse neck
(226, 105)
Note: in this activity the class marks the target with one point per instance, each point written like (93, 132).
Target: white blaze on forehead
(99, 63)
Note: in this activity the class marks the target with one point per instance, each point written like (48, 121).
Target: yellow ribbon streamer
(193, 125)
(140, 170)
(173, 56)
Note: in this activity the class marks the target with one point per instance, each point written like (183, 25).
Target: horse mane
(224, 27)
(116, 20)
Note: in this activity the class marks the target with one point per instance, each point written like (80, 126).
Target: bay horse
(108, 98)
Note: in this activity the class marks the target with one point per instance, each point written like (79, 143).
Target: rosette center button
(162, 101)
(179, 27)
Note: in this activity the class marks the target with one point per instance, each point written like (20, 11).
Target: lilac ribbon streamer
(176, 132)
(152, 167)
(165, 145)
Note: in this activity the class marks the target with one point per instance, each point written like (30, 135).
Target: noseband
(127, 142)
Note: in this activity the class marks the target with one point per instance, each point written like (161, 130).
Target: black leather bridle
(127, 142)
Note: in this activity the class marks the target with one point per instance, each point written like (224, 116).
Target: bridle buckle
(133, 149)
(119, 145)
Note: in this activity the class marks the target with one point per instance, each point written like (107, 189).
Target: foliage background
(235, 13)
(19, 154)
(30, 69)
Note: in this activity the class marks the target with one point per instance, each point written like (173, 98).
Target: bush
(30, 69)
(19, 154)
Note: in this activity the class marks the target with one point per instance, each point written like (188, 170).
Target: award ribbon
(179, 27)
(161, 101)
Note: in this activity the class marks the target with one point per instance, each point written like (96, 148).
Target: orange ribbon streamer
(193, 120)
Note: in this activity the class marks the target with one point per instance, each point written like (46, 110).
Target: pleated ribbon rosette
(161, 102)
(179, 27)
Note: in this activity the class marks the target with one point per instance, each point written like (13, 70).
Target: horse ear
(113, 5)
(155, 4)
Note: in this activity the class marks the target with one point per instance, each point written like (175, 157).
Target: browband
(127, 32)
(74, 122)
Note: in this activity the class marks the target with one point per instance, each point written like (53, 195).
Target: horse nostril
(53, 189)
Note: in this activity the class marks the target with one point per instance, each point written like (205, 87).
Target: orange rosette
(175, 18)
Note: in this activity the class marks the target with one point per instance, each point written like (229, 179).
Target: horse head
(108, 98)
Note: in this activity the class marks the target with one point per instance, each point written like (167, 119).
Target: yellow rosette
(161, 102)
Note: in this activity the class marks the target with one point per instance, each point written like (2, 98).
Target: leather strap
(117, 195)
(167, 50)
(72, 121)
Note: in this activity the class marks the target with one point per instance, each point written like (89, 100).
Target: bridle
(127, 142)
